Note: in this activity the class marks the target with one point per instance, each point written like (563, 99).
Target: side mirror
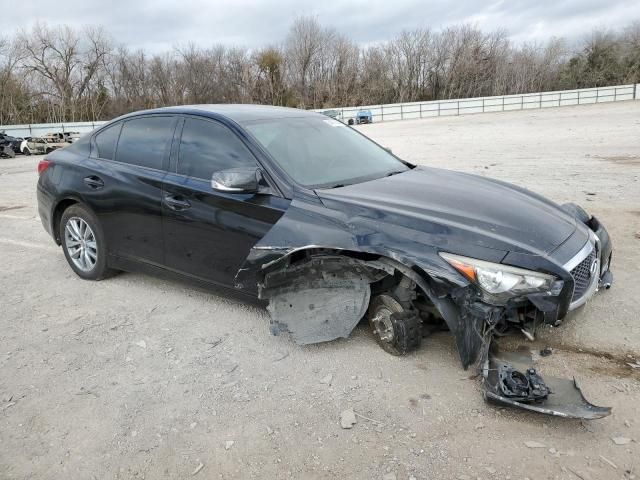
(237, 180)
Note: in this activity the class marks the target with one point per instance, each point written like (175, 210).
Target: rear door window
(105, 141)
(207, 147)
(145, 141)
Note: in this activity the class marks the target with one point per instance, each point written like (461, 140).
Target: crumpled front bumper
(511, 379)
(474, 321)
(554, 309)
(560, 397)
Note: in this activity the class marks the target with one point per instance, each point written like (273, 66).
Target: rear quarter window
(145, 141)
(105, 141)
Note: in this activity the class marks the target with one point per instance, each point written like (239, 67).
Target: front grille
(582, 276)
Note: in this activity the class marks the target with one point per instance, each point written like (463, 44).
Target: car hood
(454, 209)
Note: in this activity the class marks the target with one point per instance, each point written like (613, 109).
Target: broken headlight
(501, 282)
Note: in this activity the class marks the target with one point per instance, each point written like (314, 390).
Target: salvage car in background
(68, 137)
(43, 145)
(328, 227)
(10, 146)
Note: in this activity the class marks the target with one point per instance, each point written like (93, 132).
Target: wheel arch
(435, 289)
(58, 210)
(426, 282)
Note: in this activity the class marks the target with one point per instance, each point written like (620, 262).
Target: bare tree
(630, 50)
(270, 87)
(304, 45)
(63, 64)
(14, 95)
(60, 73)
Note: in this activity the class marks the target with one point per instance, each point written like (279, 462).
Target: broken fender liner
(553, 396)
(282, 280)
(320, 299)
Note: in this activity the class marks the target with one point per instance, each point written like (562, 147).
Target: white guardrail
(464, 106)
(410, 110)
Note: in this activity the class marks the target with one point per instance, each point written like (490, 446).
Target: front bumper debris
(511, 380)
(319, 292)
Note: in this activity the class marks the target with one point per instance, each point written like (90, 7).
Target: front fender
(309, 227)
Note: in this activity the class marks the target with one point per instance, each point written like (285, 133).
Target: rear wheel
(397, 331)
(83, 243)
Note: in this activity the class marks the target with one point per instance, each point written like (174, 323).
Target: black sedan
(329, 228)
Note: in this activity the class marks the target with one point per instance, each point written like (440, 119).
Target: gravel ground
(137, 377)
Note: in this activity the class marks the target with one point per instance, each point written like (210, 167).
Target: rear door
(208, 234)
(124, 185)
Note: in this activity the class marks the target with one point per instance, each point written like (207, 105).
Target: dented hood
(445, 205)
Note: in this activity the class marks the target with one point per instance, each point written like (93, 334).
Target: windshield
(322, 152)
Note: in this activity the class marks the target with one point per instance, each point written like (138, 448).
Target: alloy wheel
(81, 245)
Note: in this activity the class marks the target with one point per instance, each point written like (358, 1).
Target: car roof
(237, 112)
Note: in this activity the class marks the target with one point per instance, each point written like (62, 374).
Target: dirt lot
(137, 377)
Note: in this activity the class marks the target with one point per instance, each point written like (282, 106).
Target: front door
(208, 234)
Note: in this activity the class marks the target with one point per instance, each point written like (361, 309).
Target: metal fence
(463, 106)
(412, 110)
(39, 129)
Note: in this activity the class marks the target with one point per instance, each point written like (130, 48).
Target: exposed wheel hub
(383, 325)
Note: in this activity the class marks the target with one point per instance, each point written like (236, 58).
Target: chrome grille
(582, 276)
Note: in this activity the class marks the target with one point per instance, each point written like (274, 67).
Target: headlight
(502, 282)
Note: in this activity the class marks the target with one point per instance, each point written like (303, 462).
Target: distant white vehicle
(43, 145)
(68, 137)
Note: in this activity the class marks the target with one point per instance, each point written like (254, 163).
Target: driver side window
(207, 147)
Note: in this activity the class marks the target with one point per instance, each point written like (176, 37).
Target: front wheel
(83, 243)
(397, 331)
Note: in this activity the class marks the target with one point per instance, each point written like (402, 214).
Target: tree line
(58, 73)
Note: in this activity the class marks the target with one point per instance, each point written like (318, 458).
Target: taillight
(43, 165)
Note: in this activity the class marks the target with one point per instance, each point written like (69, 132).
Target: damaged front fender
(358, 246)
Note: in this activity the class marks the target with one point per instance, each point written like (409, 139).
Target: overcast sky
(158, 25)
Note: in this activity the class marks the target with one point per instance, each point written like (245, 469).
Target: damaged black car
(329, 228)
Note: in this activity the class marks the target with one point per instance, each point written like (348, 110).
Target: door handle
(176, 202)
(94, 182)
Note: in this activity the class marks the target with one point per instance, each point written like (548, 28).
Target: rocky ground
(136, 377)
